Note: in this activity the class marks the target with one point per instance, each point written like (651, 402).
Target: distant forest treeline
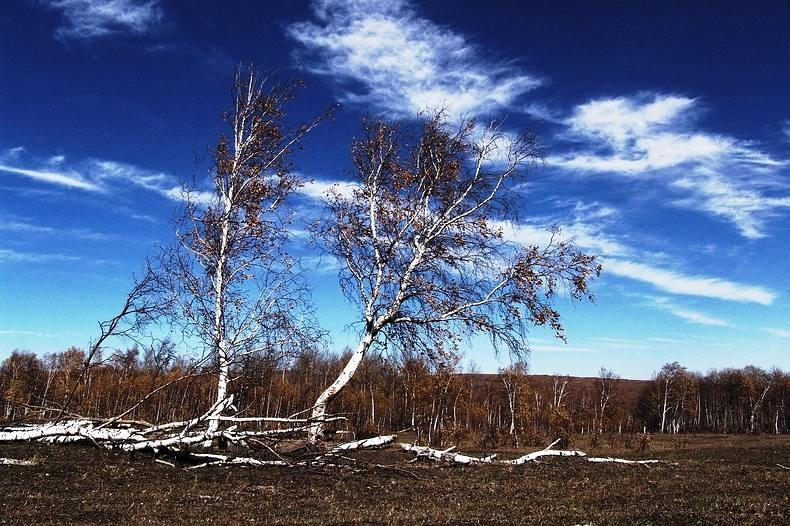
(443, 404)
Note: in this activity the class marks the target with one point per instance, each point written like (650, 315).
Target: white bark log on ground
(365, 443)
(546, 453)
(214, 459)
(74, 429)
(15, 462)
(194, 432)
(446, 455)
(624, 461)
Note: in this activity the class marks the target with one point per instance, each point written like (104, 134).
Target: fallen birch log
(217, 459)
(447, 455)
(75, 429)
(624, 461)
(15, 462)
(365, 443)
(547, 451)
(115, 433)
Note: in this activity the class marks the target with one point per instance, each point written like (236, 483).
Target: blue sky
(667, 129)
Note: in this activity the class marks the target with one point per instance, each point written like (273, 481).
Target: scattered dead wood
(179, 439)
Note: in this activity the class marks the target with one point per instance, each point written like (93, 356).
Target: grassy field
(718, 480)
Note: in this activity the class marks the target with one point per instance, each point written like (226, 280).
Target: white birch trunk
(223, 361)
(319, 408)
(664, 412)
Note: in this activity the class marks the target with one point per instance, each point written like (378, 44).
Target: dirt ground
(718, 480)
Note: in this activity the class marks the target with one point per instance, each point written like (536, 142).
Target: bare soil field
(718, 480)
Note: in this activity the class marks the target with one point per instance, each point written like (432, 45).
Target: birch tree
(233, 286)
(514, 380)
(666, 389)
(607, 385)
(756, 385)
(421, 249)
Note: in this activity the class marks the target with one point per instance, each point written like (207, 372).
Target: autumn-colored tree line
(441, 403)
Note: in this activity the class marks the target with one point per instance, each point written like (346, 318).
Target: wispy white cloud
(697, 317)
(145, 217)
(652, 135)
(69, 179)
(584, 235)
(624, 344)
(322, 189)
(177, 193)
(621, 259)
(781, 333)
(89, 19)
(684, 313)
(560, 349)
(321, 264)
(100, 176)
(13, 225)
(682, 284)
(585, 225)
(166, 185)
(11, 153)
(742, 203)
(384, 54)
(622, 120)
(14, 256)
(543, 112)
(37, 334)
(669, 341)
